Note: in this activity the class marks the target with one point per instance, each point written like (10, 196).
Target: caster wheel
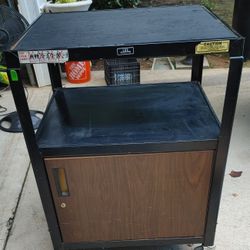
(205, 248)
(199, 248)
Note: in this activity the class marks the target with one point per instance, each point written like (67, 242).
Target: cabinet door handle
(61, 182)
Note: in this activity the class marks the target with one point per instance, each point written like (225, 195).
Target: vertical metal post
(241, 22)
(197, 68)
(232, 90)
(30, 139)
(55, 76)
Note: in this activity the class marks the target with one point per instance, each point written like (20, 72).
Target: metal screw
(63, 205)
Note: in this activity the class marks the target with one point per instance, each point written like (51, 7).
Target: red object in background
(78, 72)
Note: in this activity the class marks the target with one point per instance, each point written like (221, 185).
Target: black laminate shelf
(99, 33)
(155, 117)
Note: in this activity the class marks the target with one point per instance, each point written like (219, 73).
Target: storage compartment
(133, 197)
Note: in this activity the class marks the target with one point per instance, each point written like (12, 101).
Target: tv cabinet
(128, 166)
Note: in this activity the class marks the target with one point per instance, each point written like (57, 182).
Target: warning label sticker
(43, 56)
(212, 47)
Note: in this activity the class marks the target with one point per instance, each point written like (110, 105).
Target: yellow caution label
(212, 47)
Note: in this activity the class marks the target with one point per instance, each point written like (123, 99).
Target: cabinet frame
(153, 50)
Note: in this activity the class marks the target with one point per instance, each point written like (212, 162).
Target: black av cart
(128, 166)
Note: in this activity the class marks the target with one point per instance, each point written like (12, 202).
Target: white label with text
(43, 56)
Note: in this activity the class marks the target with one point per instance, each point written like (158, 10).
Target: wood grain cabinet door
(130, 197)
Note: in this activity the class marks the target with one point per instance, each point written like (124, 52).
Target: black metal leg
(241, 22)
(232, 90)
(35, 156)
(55, 76)
(11, 3)
(197, 68)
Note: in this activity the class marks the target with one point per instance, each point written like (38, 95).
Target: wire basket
(122, 71)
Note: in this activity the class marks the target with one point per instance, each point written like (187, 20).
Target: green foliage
(208, 3)
(114, 4)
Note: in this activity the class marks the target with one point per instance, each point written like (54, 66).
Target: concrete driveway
(22, 222)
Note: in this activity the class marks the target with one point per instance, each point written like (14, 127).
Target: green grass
(224, 9)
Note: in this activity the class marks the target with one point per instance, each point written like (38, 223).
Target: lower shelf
(131, 197)
(145, 118)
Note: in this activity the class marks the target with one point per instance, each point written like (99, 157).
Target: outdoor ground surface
(22, 222)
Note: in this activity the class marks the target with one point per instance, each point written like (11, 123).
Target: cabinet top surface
(171, 24)
(156, 113)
